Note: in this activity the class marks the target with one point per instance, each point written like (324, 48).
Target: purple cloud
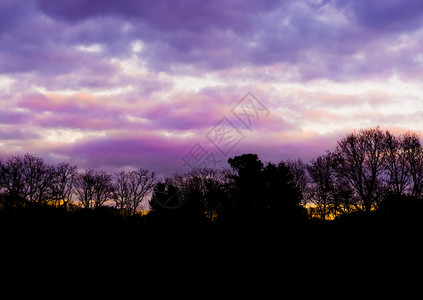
(137, 150)
(211, 35)
(392, 15)
(16, 134)
(123, 83)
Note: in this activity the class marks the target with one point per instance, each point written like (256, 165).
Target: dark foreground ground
(47, 226)
(101, 252)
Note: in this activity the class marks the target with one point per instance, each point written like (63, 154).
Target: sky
(171, 85)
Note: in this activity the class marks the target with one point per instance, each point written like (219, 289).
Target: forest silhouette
(371, 178)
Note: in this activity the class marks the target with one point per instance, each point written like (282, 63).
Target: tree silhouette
(283, 196)
(411, 147)
(38, 178)
(63, 184)
(322, 187)
(397, 164)
(12, 178)
(371, 174)
(360, 159)
(199, 195)
(267, 194)
(298, 170)
(132, 188)
(166, 196)
(248, 182)
(93, 188)
(172, 204)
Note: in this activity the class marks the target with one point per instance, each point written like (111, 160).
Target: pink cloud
(130, 109)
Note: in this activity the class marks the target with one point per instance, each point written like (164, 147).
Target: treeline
(250, 192)
(28, 180)
(369, 172)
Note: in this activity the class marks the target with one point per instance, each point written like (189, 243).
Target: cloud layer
(139, 83)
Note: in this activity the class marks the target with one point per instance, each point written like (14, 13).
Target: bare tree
(38, 178)
(204, 192)
(131, 188)
(93, 188)
(413, 155)
(298, 170)
(398, 155)
(122, 191)
(360, 158)
(211, 184)
(103, 188)
(84, 188)
(322, 183)
(12, 178)
(62, 184)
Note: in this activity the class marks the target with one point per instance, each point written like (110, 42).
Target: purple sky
(129, 84)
